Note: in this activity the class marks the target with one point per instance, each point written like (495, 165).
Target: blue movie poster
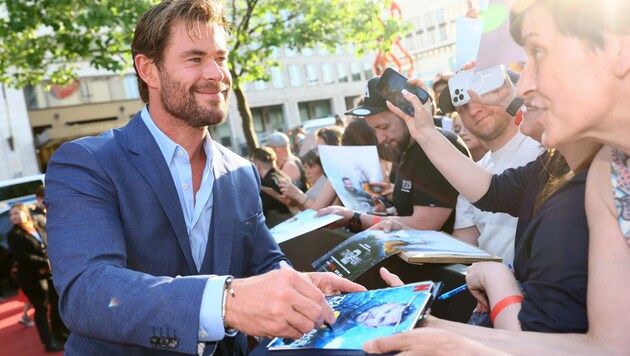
(364, 316)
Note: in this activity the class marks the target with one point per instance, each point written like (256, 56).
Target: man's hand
(282, 303)
(428, 341)
(331, 284)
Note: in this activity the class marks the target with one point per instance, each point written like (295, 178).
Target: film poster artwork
(351, 170)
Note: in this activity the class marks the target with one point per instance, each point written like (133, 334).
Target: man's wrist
(228, 294)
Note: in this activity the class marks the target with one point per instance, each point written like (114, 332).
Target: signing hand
(282, 303)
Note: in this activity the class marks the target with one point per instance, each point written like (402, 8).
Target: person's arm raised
(444, 156)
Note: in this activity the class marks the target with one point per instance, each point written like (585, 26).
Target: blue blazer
(117, 240)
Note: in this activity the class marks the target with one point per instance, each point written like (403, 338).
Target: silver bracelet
(227, 288)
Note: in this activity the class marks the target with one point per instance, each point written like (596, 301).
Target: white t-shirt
(497, 229)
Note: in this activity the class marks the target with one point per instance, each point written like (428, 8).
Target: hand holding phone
(390, 86)
(480, 82)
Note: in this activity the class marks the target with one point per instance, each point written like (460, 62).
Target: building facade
(310, 84)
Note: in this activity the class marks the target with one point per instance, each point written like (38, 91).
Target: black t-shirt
(419, 183)
(271, 180)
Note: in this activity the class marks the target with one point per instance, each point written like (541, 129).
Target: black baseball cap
(446, 105)
(373, 102)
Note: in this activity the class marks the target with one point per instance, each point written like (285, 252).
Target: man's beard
(499, 126)
(393, 153)
(181, 103)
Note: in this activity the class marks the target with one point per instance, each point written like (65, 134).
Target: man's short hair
(153, 31)
(278, 139)
(264, 154)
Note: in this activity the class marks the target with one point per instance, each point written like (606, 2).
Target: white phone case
(480, 82)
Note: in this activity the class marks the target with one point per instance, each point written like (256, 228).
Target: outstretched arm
(444, 156)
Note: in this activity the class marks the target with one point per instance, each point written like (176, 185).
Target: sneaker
(28, 322)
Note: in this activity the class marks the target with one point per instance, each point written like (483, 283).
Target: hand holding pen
(284, 264)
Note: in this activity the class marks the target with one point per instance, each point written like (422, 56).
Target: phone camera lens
(461, 96)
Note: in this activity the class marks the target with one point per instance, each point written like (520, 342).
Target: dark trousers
(37, 294)
(59, 330)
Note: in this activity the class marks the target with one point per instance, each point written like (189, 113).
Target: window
(431, 33)
(267, 119)
(290, 52)
(275, 52)
(355, 69)
(312, 78)
(443, 35)
(277, 78)
(296, 78)
(439, 15)
(260, 85)
(367, 70)
(351, 101)
(313, 109)
(131, 87)
(328, 77)
(322, 51)
(342, 72)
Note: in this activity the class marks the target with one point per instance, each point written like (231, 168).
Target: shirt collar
(167, 146)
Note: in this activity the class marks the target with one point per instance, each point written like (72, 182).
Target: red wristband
(376, 220)
(502, 304)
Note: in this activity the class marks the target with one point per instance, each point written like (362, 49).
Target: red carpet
(15, 338)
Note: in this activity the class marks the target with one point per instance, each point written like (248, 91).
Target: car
(310, 126)
(18, 190)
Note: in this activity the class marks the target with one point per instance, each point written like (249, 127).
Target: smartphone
(480, 82)
(390, 86)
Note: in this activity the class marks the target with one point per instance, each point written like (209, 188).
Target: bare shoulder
(609, 257)
(599, 194)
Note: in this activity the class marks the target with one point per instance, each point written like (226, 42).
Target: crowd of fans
(536, 192)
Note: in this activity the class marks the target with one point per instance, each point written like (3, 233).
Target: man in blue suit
(147, 224)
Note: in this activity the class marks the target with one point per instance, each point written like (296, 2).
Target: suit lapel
(145, 155)
(217, 259)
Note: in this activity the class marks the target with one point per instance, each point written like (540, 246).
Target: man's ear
(622, 60)
(147, 70)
